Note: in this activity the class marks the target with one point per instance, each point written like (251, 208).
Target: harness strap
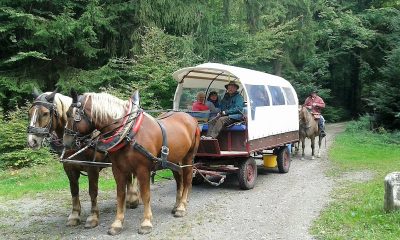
(148, 155)
(164, 148)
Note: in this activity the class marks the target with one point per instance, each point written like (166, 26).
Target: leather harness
(125, 134)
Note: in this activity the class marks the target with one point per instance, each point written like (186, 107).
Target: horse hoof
(73, 222)
(173, 211)
(180, 213)
(312, 158)
(145, 229)
(91, 222)
(114, 231)
(132, 205)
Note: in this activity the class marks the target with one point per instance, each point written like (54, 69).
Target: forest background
(348, 50)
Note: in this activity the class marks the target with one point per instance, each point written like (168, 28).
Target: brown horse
(308, 128)
(47, 120)
(106, 113)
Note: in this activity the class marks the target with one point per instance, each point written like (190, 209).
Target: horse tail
(195, 142)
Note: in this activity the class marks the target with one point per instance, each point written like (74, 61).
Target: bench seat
(233, 128)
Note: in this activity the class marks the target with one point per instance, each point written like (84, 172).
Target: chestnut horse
(308, 128)
(107, 114)
(47, 120)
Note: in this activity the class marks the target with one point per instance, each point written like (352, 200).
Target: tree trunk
(355, 84)
(226, 6)
(277, 67)
(252, 15)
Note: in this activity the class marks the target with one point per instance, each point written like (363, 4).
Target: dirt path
(281, 206)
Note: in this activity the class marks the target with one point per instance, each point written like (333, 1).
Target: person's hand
(222, 113)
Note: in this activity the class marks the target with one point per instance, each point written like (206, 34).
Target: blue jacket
(233, 105)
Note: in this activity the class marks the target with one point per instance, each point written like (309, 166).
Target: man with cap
(231, 111)
(315, 103)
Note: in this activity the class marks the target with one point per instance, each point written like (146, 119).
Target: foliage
(346, 49)
(13, 151)
(150, 72)
(361, 125)
(14, 91)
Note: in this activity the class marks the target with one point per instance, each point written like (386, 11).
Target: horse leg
(93, 219)
(319, 147)
(121, 180)
(179, 190)
(302, 148)
(144, 180)
(312, 147)
(296, 148)
(74, 218)
(132, 192)
(184, 181)
(187, 177)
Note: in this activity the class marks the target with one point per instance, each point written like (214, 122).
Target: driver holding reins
(315, 103)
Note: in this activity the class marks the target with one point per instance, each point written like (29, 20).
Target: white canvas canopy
(276, 114)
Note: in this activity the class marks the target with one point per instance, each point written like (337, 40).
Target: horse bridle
(42, 131)
(79, 114)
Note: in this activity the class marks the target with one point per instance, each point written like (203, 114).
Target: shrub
(363, 124)
(13, 150)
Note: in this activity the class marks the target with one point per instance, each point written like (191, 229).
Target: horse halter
(79, 114)
(42, 131)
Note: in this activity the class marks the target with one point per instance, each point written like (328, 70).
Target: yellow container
(269, 161)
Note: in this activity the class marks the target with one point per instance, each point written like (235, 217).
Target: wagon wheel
(247, 173)
(283, 160)
(197, 179)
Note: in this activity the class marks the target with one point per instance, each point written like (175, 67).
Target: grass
(51, 177)
(357, 210)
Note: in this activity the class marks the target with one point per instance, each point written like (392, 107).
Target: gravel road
(281, 206)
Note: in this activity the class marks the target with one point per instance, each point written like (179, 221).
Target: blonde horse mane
(105, 106)
(61, 102)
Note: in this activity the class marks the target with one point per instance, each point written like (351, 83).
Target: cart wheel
(283, 160)
(197, 179)
(247, 173)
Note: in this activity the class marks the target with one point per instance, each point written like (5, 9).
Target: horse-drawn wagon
(269, 125)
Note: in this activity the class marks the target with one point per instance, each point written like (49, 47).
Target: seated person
(199, 105)
(213, 104)
(231, 111)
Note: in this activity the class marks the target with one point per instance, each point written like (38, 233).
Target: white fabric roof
(201, 76)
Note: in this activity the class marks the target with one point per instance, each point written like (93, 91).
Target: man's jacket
(233, 105)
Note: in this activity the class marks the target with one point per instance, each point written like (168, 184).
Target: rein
(115, 142)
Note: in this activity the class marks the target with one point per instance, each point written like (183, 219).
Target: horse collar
(128, 129)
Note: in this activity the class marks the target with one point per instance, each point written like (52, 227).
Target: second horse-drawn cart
(269, 126)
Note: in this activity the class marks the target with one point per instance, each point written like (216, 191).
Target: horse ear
(135, 98)
(74, 95)
(35, 93)
(50, 97)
